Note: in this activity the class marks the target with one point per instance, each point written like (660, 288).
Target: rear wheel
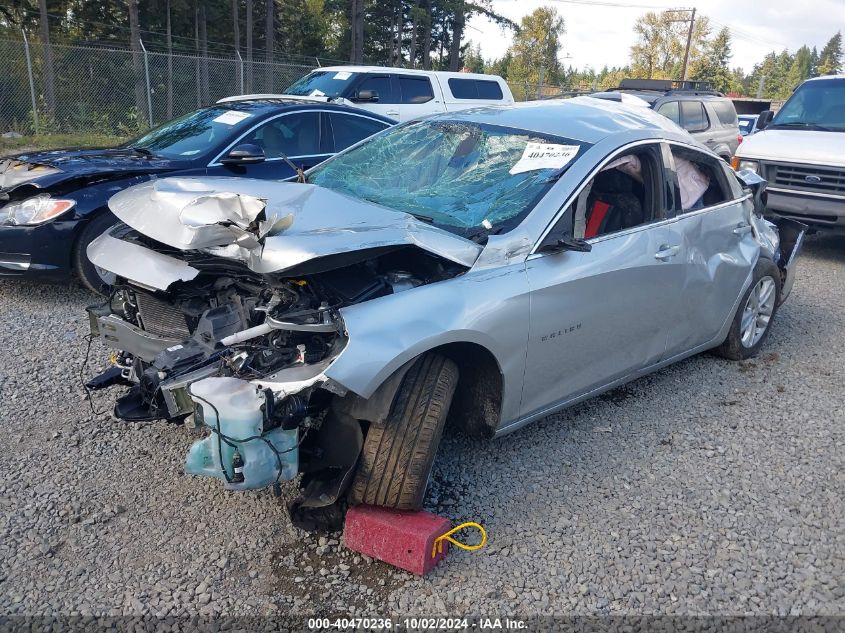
(396, 459)
(753, 319)
(92, 277)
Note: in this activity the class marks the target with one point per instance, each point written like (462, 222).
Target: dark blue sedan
(55, 202)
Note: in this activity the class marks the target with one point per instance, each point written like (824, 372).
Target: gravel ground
(707, 488)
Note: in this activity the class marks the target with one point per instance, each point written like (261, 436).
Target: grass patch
(57, 141)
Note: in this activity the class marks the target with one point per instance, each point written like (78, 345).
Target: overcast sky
(597, 35)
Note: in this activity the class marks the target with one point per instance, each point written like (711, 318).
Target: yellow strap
(438, 542)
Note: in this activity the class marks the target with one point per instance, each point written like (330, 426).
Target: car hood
(48, 168)
(273, 226)
(795, 146)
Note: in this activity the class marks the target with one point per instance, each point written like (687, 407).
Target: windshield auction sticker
(544, 156)
(231, 117)
(342, 75)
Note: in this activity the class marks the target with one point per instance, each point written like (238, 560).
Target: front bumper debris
(791, 234)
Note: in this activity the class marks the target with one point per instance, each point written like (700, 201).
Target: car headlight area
(34, 211)
(740, 163)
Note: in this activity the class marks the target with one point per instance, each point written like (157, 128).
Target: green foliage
(134, 124)
(473, 59)
(830, 59)
(661, 43)
(714, 65)
(537, 46)
(44, 122)
(56, 141)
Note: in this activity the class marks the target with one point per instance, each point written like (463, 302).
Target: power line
(741, 35)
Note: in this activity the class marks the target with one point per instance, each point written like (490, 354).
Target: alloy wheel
(758, 310)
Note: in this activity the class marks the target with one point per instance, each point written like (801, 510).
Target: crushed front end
(229, 318)
(241, 352)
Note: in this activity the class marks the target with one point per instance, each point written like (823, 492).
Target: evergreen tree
(830, 59)
(714, 64)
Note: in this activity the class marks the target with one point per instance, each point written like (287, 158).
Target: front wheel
(92, 277)
(753, 319)
(397, 457)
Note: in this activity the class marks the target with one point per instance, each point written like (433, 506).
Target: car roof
(653, 96)
(581, 118)
(826, 77)
(406, 71)
(265, 104)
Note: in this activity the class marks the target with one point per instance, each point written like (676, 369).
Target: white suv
(398, 93)
(801, 152)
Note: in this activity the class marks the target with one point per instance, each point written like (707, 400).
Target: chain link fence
(97, 90)
(117, 91)
(524, 91)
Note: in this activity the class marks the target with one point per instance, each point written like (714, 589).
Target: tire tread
(397, 458)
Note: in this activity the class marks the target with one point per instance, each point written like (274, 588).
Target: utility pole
(760, 86)
(689, 43)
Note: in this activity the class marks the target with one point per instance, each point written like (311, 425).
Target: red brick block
(401, 538)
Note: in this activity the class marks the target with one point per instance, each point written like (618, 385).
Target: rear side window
(296, 134)
(381, 85)
(701, 179)
(488, 89)
(349, 129)
(475, 89)
(671, 110)
(415, 89)
(693, 116)
(725, 111)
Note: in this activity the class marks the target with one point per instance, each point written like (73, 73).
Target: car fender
(465, 309)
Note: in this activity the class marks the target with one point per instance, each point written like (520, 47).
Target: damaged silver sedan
(489, 267)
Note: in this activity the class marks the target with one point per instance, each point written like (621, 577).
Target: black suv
(706, 114)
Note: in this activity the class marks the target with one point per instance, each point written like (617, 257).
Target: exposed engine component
(240, 450)
(245, 354)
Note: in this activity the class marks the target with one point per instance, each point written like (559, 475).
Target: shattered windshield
(468, 178)
(195, 134)
(321, 83)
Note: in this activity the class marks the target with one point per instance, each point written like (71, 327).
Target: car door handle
(666, 252)
(392, 113)
(742, 229)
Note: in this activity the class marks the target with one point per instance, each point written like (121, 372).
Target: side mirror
(246, 154)
(764, 119)
(557, 244)
(366, 96)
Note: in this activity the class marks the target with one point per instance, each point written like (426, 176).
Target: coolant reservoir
(237, 406)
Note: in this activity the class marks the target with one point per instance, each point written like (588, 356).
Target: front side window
(693, 116)
(626, 193)
(469, 178)
(817, 104)
(290, 135)
(416, 89)
(322, 83)
(349, 129)
(196, 134)
(382, 86)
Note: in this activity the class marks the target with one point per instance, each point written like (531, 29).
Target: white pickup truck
(801, 152)
(398, 93)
